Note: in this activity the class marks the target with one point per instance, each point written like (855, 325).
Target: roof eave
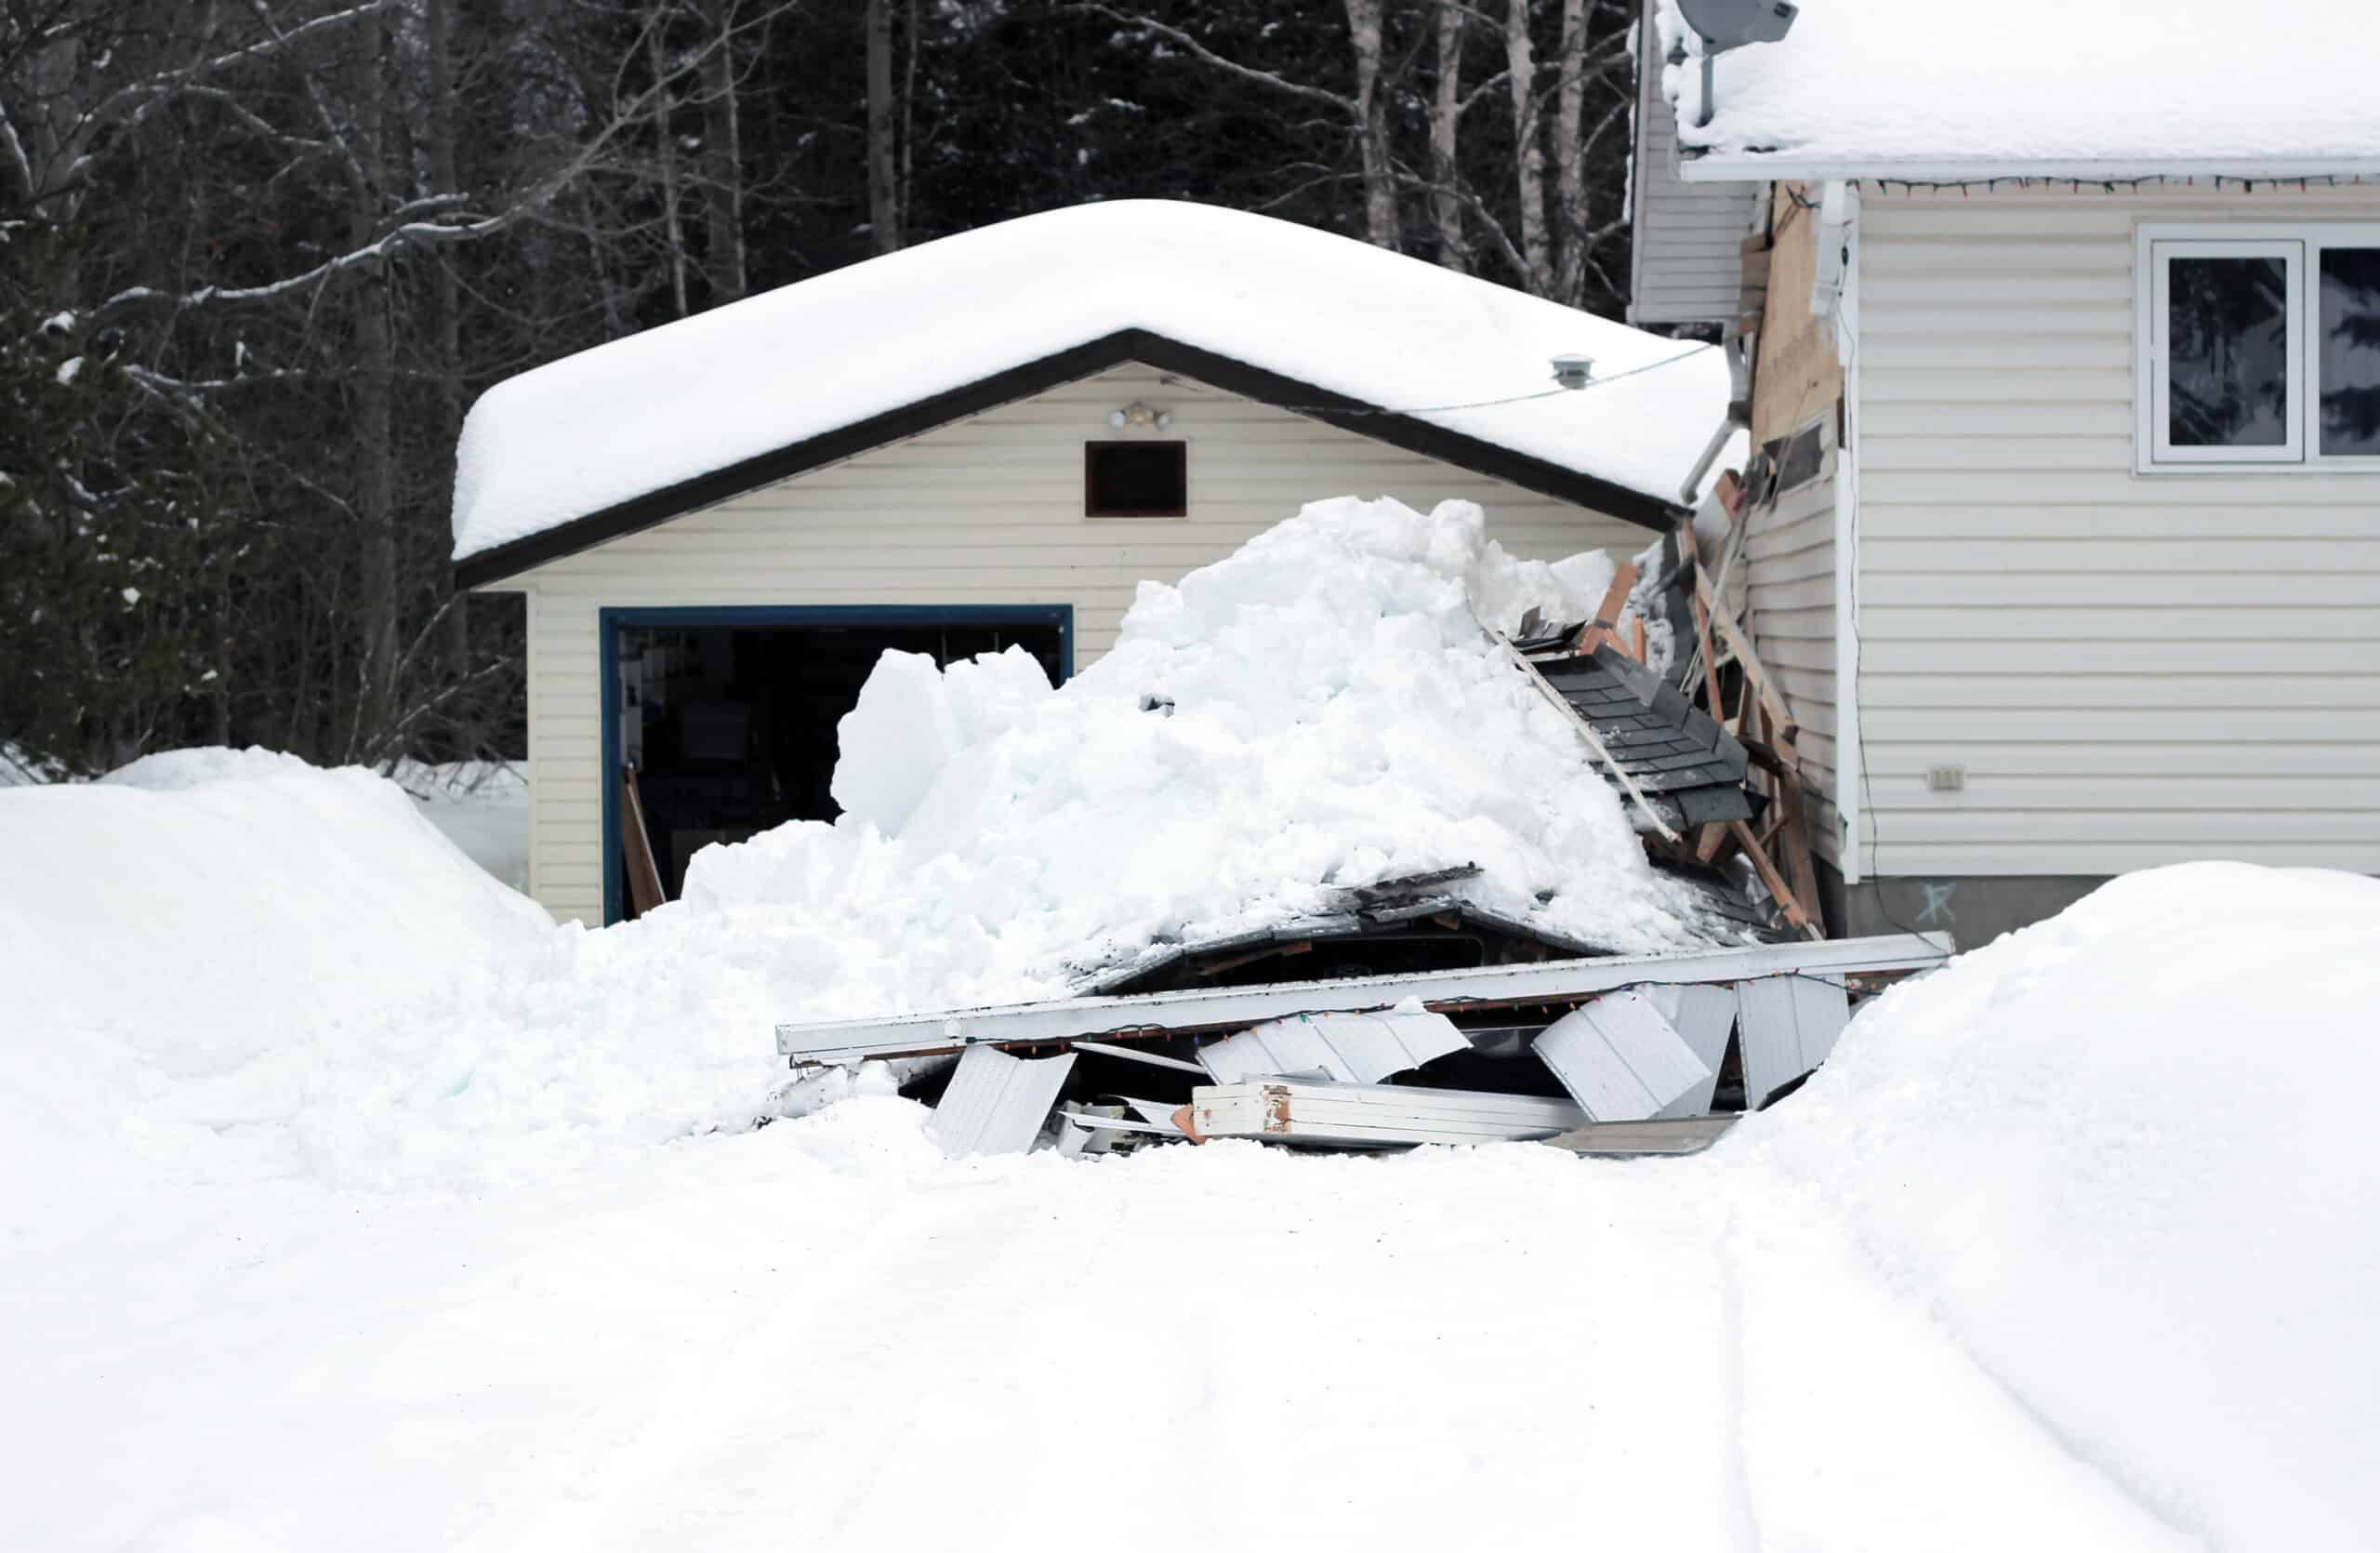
(1792, 166)
(500, 562)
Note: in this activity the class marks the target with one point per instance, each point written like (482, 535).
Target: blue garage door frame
(611, 622)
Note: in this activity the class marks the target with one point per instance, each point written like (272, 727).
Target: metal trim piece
(1375, 1116)
(1195, 1009)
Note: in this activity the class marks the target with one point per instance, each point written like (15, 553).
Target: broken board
(1352, 1048)
(996, 1104)
(1789, 1024)
(1372, 1116)
(1620, 1059)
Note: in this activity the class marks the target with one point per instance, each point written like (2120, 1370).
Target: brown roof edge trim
(637, 513)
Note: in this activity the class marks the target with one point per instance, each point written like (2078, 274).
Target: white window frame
(2301, 245)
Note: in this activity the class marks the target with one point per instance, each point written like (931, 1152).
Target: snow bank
(2126, 1157)
(1319, 710)
(1873, 83)
(701, 393)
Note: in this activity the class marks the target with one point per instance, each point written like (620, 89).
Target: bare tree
(883, 194)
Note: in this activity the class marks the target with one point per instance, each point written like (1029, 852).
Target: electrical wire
(1515, 399)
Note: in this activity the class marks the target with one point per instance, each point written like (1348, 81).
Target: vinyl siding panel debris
(1351, 1048)
(1620, 1059)
(1789, 1026)
(997, 1104)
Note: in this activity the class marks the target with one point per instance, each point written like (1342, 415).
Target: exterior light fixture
(1572, 372)
(1138, 415)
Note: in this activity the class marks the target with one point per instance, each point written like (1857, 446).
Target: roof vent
(1726, 24)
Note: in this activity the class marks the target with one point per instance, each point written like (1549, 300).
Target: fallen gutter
(1199, 1010)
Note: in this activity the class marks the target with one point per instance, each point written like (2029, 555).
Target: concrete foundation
(1974, 908)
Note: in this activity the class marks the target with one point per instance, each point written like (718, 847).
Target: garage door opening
(721, 724)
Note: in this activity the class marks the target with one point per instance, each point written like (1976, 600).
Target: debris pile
(1615, 1055)
(1354, 659)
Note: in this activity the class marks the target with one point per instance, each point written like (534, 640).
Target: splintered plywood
(1790, 1025)
(1621, 1059)
(1351, 1048)
(1373, 1116)
(995, 1103)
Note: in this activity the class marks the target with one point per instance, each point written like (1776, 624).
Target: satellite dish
(1726, 24)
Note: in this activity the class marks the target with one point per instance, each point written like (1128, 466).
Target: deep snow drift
(2127, 1156)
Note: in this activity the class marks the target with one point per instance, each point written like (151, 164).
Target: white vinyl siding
(984, 510)
(1686, 263)
(1789, 604)
(2132, 669)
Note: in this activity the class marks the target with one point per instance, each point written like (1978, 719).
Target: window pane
(2350, 346)
(1135, 479)
(2227, 353)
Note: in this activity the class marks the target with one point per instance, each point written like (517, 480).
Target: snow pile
(235, 895)
(699, 394)
(1320, 710)
(1875, 83)
(2125, 1157)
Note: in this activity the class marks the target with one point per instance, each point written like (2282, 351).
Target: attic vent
(1135, 479)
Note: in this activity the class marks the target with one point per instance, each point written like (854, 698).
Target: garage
(721, 721)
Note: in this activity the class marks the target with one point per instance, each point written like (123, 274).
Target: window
(2260, 348)
(1135, 480)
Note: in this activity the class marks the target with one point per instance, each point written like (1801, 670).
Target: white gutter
(1783, 167)
(1849, 759)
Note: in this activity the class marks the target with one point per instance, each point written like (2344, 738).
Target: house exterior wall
(2130, 669)
(987, 510)
(1685, 262)
(1788, 548)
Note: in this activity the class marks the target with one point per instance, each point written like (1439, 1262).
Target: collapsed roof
(636, 431)
(1887, 88)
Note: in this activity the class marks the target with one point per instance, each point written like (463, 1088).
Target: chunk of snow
(1874, 83)
(69, 369)
(1339, 717)
(699, 394)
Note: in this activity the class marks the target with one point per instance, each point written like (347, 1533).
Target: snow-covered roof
(2052, 87)
(693, 411)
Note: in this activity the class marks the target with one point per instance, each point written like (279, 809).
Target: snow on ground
(699, 394)
(345, 1203)
(2041, 1262)
(1873, 82)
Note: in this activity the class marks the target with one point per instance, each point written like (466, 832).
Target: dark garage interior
(727, 730)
